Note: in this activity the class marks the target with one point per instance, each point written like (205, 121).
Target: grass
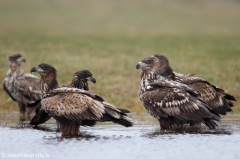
(110, 37)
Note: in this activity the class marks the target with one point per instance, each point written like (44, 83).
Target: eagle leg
(58, 126)
(22, 118)
(22, 112)
(165, 123)
(69, 129)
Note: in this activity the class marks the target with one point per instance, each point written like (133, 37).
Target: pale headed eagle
(171, 102)
(73, 107)
(21, 87)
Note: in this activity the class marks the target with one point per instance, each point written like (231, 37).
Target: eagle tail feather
(40, 117)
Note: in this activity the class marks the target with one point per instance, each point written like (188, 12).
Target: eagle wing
(73, 106)
(164, 101)
(29, 87)
(7, 91)
(211, 94)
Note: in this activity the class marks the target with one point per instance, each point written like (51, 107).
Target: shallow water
(143, 140)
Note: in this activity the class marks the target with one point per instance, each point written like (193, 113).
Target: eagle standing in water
(172, 103)
(21, 87)
(81, 81)
(217, 99)
(73, 107)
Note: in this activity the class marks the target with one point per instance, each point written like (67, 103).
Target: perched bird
(217, 99)
(73, 107)
(172, 103)
(80, 81)
(21, 87)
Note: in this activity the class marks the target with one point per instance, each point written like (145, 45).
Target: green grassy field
(109, 37)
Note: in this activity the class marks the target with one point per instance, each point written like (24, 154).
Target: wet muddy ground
(109, 141)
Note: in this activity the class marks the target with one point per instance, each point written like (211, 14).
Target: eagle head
(85, 76)
(155, 64)
(44, 70)
(16, 58)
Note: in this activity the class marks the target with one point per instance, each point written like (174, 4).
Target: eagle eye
(147, 61)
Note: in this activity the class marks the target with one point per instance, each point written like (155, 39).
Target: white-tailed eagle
(217, 99)
(171, 102)
(21, 87)
(73, 107)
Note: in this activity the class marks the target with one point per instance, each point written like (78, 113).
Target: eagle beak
(35, 69)
(21, 59)
(140, 65)
(92, 79)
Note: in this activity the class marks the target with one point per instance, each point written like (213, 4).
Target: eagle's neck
(76, 83)
(13, 72)
(167, 72)
(48, 83)
(155, 74)
(147, 77)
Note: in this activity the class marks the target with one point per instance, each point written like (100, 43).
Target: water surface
(143, 140)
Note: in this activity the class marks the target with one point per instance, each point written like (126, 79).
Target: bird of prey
(79, 81)
(217, 99)
(21, 87)
(171, 102)
(73, 107)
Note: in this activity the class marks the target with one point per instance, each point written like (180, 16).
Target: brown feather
(169, 101)
(21, 87)
(72, 107)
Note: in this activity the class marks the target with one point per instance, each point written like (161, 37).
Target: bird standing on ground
(217, 99)
(172, 103)
(73, 107)
(21, 87)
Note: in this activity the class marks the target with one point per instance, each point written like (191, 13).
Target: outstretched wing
(73, 106)
(28, 86)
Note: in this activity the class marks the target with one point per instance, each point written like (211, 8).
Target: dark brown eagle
(73, 107)
(21, 87)
(171, 102)
(81, 79)
(217, 99)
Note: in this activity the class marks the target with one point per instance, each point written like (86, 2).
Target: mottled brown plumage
(217, 99)
(72, 107)
(172, 103)
(21, 87)
(81, 81)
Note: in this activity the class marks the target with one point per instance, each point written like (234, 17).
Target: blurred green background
(109, 37)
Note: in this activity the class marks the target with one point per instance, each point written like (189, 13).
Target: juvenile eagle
(172, 103)
(73, 107)
(216, 98)
(79, 81)
(21, 87)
